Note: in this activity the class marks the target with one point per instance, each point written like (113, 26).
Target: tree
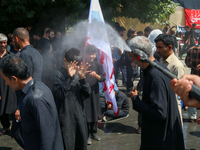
(59, 13)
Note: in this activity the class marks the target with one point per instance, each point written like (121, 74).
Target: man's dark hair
(147, 29)
(14, 66)
(73, 54)
(91, 49)
(121, 29)
(187, 27)
(140, 33)
(116, 25)
(130, 31)
(21, 33)
(194, 24)
(166, 39)
(49, 31)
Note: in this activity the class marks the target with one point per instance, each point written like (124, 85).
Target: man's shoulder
(27, 49)
(194, 49)
(31, 51)
(38, 90)
(156, 74)
(175, 61)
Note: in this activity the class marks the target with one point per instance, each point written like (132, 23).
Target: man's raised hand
(83, 70)
(72, 68)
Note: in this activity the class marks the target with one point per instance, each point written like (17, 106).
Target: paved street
(121, 135)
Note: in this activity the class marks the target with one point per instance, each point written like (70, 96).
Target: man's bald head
(21, 33)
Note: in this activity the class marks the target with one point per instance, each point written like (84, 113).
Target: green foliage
(55, 13)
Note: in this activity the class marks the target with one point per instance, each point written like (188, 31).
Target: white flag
(96, 26)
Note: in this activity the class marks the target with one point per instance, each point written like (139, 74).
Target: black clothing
(122, 101)
(31, 37)
(92, 104)
(48, 69)
(5, 120)
(122, 104)
(56, 44)
(161, 125)
(187, 33)
(34, 61)
(129, 70)
(69, 93)
(92, 127)
(157, 57)
(17, 53)
(43, 45)
(39, 119)
(175, 42)
(192, 37)
(8, 102)
(165, 30)
(58, 48)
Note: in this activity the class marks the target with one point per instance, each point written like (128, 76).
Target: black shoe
(94, 136)
(89, 141)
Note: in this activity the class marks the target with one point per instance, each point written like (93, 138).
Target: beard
(3, 48)
(17, 45)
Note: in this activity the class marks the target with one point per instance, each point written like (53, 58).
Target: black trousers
(5, 120)
(92, 127)
(139, 120)
(130, 77)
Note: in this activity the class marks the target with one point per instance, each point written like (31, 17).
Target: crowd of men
(54, 98)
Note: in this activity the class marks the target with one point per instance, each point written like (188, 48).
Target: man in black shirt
(8, 100)
(30, 55)
(161, 125)
(184, 49)
(39, 124)
(189, 39)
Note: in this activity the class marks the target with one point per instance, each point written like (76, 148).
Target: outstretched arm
(183, 86)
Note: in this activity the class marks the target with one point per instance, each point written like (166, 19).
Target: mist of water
(98, 31)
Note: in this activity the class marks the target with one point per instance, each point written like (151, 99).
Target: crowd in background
(50, 62)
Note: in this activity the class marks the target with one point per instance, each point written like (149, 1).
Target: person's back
(186, 35)
(122, 101)
(37, 105)
(192, 37)
(30, 55)
(43, 45)
(34, 61)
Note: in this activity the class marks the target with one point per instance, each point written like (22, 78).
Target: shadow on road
(117, 128)
(5, 148)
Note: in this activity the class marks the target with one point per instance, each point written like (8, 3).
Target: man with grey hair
(161, 125)
(8, 101)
